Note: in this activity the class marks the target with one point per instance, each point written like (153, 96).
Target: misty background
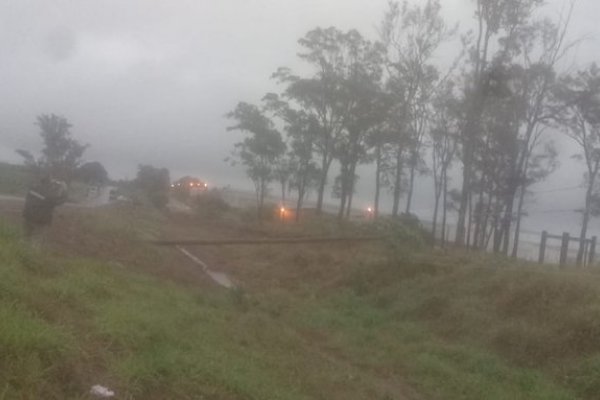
(150, 82)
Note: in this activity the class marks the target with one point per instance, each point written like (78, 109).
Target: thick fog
(150, 81)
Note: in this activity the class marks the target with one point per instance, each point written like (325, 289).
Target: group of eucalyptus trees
(404, 105)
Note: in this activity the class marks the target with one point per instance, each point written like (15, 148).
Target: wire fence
(554, 249)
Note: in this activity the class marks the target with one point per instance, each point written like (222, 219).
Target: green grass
(70, 323)
(438, 368)
(470, 331)
(446, 326)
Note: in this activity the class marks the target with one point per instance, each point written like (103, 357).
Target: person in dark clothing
(40, 202)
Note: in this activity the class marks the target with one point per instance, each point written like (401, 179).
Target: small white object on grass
(101, 391)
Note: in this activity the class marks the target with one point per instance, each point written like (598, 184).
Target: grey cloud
(60, 43)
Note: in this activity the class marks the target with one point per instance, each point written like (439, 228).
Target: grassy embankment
(328, 322)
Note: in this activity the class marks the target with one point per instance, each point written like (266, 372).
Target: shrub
(210, 204)
(154, 182)
(402, 235)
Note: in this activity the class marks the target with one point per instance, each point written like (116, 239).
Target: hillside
(101, 306)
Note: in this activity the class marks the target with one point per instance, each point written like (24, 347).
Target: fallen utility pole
(224, 242)
(218, 277)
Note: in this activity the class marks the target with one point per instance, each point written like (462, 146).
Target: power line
(557, 211)
(558, 189)
(564, 210)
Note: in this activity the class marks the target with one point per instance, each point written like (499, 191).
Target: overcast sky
(149, 81)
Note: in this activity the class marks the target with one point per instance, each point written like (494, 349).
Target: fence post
(592, 251)
(564, 249)
(543, 247)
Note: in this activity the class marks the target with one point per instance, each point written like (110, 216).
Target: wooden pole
(592, 251)
(543, 247)
(564, 249)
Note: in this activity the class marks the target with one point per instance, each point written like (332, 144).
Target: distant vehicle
(113, 195)
(189, 185)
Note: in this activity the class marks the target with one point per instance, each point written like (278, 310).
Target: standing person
(40, 202)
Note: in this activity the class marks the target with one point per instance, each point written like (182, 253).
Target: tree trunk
(377, 180)
(507, 221)
(301, 193)
(477, 105)
(299, 205)
(515, 248)
(464, 200)
(257, 190)
(582, 236)
(445, 206)
(497, 226)
(435, 214)
(342, 195)
(342, 207)
(437, 191)
(470, 216)
(351, 183)
(486, 218)
(348, 193)
(397, 182)
(480, 214)
(322, 182)
(349, 205)
(261, 198)
(345, 189)
(585, 220)
(411, 184)
(488, 238)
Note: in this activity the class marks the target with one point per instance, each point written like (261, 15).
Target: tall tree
(92, 173)
(380, 140)
(258, 152)
(361, 83)
(411, 36)
(61, 154)
(540, 164)
(321, 95)
(510, 143)
(444, 137)
(282, 170)
(494, 44)
(541, 48)
(579, 97)
(302, 132)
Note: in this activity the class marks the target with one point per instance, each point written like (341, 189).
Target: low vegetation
(480, 330)
(305, 322)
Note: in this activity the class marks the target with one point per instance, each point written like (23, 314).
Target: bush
(155, 183)
(269, 212)
(402, 235)
(210, 204)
